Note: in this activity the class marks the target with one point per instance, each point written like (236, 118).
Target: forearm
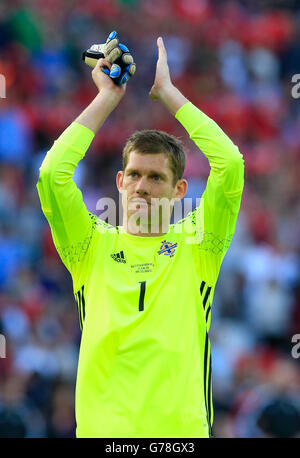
(203, 130)
(224, 157)
(172, 98)
(57, 169)
(99, 109)
(61, 200)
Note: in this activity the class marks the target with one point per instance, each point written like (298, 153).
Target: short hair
(153, 141)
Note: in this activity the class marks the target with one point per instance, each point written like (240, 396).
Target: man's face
(147, 179)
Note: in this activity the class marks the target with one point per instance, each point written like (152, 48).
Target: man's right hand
(123, 66)
(104, 82)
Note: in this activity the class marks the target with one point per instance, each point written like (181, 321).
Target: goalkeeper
(144, 296)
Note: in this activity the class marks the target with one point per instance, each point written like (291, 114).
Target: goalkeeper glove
(123, 66)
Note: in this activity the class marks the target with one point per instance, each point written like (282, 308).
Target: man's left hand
(162, 76)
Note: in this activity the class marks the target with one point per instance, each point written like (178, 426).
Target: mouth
(141, 202)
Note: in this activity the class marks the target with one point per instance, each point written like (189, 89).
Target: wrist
(165, 91)
(172, 98)
(107, 99)
(97, 112)
(109, 94)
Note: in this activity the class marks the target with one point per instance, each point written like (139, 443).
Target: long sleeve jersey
(144, 303)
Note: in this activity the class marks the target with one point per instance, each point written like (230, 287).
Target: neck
(146, 231)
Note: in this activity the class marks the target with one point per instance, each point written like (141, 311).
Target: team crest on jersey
(167, 248)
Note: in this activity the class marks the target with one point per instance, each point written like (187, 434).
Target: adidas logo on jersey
(119, 257)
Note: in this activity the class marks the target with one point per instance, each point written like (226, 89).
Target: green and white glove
(123, 66)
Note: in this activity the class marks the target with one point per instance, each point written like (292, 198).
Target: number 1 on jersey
(142, 295)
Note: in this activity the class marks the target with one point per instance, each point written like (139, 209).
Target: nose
(142, 186)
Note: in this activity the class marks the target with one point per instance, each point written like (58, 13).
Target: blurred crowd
(233, 59)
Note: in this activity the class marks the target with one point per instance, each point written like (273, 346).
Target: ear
(119, 180)
(180, 190)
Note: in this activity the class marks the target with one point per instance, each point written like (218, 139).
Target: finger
(124, 47)
(131, 68)
(124, 78)
(103, 63)
(162, 53)
(111, 45)
(127, 58)
(112, 42)
(128, 71)
(115, 71)
(113, 55)
(112, 35)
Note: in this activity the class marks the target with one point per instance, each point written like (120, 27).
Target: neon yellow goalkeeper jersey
(144, 303)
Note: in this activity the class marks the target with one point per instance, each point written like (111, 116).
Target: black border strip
(79, 308)
(206, 296)
(210, 402)
(207, 313)
(142, 295)
(202, 287)
(207, 362)
(209, 395)
(83, 303)
(205, 372)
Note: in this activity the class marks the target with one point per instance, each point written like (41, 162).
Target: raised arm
(224, 158)
(61, 201)
(215, 218)
(105, 102)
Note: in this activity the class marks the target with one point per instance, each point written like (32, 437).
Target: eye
(133, 174)
(156, 177)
